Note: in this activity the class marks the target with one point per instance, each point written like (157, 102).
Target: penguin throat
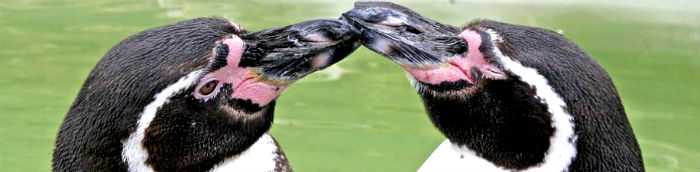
(468, 66)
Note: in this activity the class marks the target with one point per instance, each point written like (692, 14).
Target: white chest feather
(258, 158)
(450, 157)
(447, 157)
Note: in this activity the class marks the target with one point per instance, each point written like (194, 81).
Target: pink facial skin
(459, 67)
(245, 85)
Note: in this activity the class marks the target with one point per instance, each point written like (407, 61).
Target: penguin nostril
(208, 88)
(412, 29)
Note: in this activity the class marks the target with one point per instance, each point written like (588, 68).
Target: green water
(360, 115)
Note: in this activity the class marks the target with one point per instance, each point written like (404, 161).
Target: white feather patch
(259, 157)
(448, 157)
(133, 152)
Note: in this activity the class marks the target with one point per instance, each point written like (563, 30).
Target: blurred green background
(359, 115)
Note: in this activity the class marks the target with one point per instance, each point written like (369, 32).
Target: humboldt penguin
(507, 97)
(197, 95)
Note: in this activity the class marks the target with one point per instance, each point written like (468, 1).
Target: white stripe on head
(133, 152)
(562, 147)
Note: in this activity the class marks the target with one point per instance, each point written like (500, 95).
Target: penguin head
(440, 58)
(249, 70)
(194, 92)
(244, 72)
(522, 98)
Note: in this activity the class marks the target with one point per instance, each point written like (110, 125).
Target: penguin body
(507, 97)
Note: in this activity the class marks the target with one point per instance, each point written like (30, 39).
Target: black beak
(403, 35)
(289, 53)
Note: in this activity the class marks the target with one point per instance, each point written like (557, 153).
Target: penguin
(507, 97)
(197, 95)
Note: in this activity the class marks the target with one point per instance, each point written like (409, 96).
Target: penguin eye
(208, 88)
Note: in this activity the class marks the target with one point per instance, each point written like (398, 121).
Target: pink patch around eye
(459, 67)
(244, 84)
(231, 73)
(475, 58)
